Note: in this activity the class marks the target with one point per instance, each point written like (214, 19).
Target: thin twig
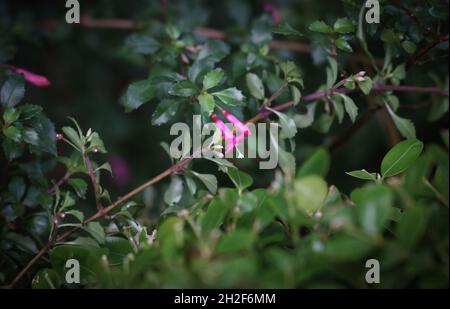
(414, 58)
(60, 182)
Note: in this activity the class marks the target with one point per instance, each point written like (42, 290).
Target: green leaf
(46, 136)
(165, 111)
(305, 120)
(174, 193)
(184, 88)
(344, 25)
(287, 124)
(401, 157)
(412, 225)
(345, 248)
(73, 137)
(339, 110)
(191, 185)
(67, 202)
(236, 241)
(211, 53)
(230, 96)
(318, 163)
(213, 78)
(240, 179)
(332, 72)
(12, 133)
(46, 279)
(342, 44)
(321, 27)
(96, 231)
(400, 72)
(77, 214)
(405, 126)
(409, 47)
(97, 143)
(285, 28)
(296, 94)
(207, 104)
(17, 188)
(214, 216)
(350, 107)
(79, 185)
(255, 85)
(286, 161)
(373, 207)
(310, 193)
(137, 94)
(10, 115)
(13, 90)
(142, 44)
(291, 72)
(261, 32)
(363, 174)
(365, 85)
(323, 123)
(173, 31)
(210, 181)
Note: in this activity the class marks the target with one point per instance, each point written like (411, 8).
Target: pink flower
(237, 123)
(270, 8)
(226, 132)
(121, 170)
(32, 78)
(234, 142)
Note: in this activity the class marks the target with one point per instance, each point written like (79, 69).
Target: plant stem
(60, 182)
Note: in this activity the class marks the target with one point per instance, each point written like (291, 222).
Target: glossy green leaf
(230, 96)
(12, 91)
(363, 174)
(255, 86)
(210, 181)
(240, 179)
(184, 88)
(344, 25)
(165, 111)
(213, 78)
(401, 157)
(207, 104)
(320, 26)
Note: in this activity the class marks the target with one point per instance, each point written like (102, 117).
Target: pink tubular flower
(237, 123)
(269, 7)
(234, 142)
(32, 78)
(226, 132)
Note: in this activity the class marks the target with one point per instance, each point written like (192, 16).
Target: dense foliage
(363, 151)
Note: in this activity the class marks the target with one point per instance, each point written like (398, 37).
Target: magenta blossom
(269, 7)
(120, 169)
(226, 132)
(32, 78)
(234, 142)
(237, 123)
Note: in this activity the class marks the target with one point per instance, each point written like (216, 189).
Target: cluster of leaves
(33, 209)
(301, 231)
(242, 237)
